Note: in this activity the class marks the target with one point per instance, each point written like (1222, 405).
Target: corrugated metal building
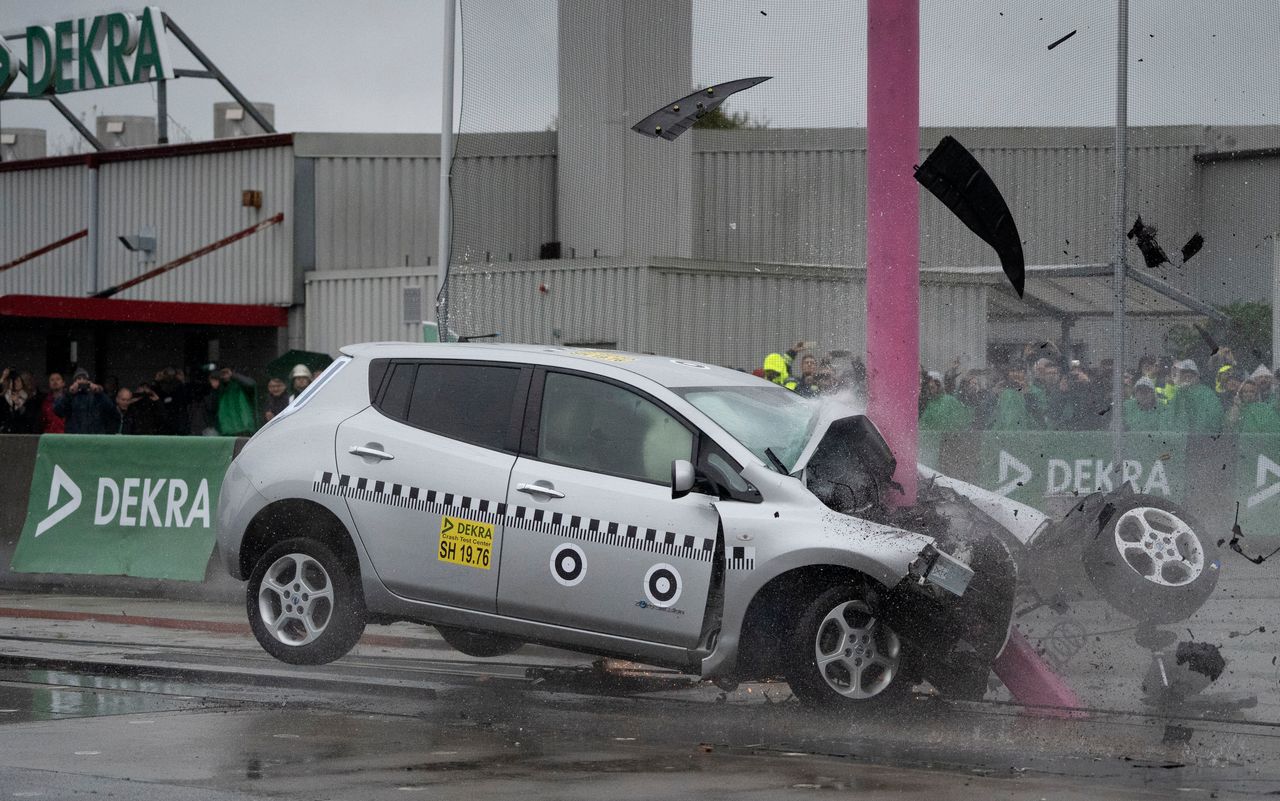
(775, 226)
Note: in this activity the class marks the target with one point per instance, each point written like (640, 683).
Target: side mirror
(681, 478)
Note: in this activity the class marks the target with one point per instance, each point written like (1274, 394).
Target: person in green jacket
(1195, 408)
(1018, 407)
(943, 411)
(1143, 412)
(1249, 414)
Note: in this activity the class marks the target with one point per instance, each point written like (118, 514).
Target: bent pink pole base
(893, 230)
(1033, 683)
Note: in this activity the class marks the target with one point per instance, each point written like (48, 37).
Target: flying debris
(1063, 39)
(1145, 235)
(1192, 247)
(1214, 347)
(679, 116)
(1152, 253)
(1237, 535)
(956, 178)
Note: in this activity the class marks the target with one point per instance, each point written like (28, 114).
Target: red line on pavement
(214, 626)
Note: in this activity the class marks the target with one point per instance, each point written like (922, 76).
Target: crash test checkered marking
(603, 532)
(742, 557)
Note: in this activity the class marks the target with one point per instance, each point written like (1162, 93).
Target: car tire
(305, 606)
(842, 657)
(473, 643)
(1152, 560)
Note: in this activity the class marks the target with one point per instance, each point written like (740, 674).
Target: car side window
(468, 402)
(602, 427)
(395, 398)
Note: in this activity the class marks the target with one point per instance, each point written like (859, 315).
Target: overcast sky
(374, 65)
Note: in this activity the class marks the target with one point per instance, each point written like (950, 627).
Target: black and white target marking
(662, 585)
(568, 564)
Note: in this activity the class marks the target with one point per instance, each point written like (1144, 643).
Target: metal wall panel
(585, 301)
(345, 307)
(1241, 221)
(734, 315)
(800, 195)
(725, 314)
(953, 323)
(37, 208)
(377, 203)
(193, 201)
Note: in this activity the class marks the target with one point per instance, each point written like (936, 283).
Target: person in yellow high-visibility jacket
(777, 370)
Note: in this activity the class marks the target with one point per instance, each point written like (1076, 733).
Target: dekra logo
(132, 502)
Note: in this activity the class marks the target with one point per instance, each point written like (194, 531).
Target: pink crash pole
(893, 229)
(893, 293)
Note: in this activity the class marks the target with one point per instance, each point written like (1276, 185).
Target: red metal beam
(93, 160)
(192, 256)
(143, 311)
(66, 240)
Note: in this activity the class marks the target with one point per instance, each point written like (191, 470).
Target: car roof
(667, 371)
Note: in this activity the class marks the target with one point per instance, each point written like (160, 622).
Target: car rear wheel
(842, 655)
(304, 607)
(473, 643)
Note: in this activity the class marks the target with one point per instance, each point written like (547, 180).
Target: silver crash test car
(654, 509)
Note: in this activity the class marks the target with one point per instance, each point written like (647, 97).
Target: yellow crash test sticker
(465, 542)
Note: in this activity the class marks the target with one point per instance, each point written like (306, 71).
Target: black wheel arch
(297, 517)
(766, 624)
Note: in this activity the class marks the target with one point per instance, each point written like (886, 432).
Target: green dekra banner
(1037, 467)
(132, 506)
(1258, 483)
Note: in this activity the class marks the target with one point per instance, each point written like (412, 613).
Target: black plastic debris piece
(1060, 41)
(1201, 657)
(955, 177)
(1145, 236)
(1192, 247)
(679, 116)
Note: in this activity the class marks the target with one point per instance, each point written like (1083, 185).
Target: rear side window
(395, 398)
(469, 402)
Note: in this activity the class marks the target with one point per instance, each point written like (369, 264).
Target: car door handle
(361, 450)
(538, 489)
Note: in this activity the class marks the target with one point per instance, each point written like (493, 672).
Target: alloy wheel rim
(1159, 546)
(857, 654)
(295, 599)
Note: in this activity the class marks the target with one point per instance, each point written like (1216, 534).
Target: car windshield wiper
(777, 463)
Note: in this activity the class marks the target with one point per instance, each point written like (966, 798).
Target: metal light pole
(1120, 208)
(446, 160)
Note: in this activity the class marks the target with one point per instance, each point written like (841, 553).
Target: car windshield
(762, 418)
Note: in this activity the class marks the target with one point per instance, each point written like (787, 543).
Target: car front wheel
(304, 607)
(842, 655)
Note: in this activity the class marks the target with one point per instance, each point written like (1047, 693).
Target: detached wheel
(473, 643)
(843, 656)
(304, 607)
(1152, 561)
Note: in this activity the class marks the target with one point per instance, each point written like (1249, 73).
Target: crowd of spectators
(1042, 390)
(215, 402)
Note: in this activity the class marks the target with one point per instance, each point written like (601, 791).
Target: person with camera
(19, 409)
(85, 407)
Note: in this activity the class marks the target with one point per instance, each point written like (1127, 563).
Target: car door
(424, 470)
(595, 540)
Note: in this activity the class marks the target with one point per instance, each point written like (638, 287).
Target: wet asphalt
(91, 708)
(461, 731)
